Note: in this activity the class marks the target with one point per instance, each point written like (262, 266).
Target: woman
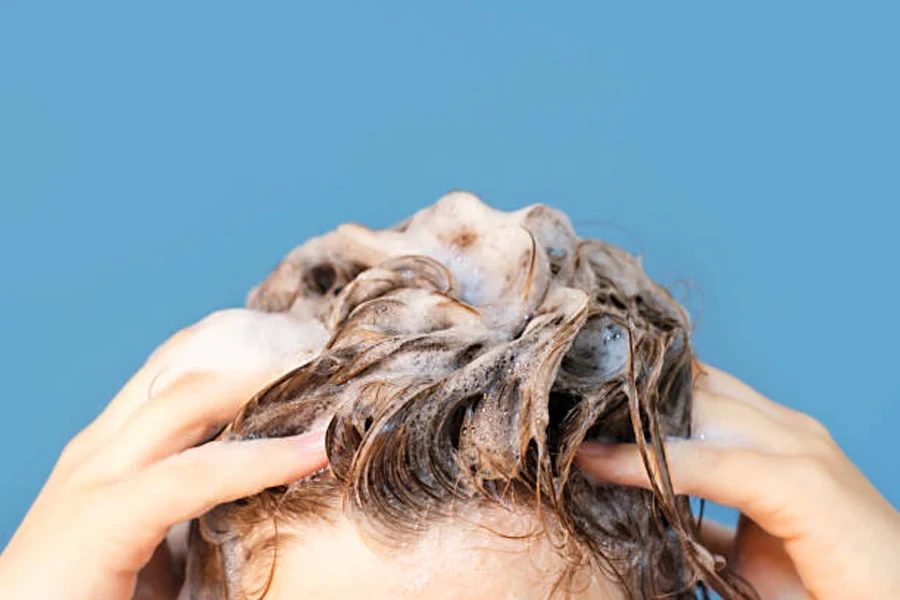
(458, 409)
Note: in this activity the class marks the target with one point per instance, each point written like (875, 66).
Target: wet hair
(471, 352)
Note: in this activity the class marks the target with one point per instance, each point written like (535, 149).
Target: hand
(137, 470)
(811, 524)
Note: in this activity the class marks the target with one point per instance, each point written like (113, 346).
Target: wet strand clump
(469, 353)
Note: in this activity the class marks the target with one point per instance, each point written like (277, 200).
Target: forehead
(497, 556)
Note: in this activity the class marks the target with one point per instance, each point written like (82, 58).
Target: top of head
(460, 359)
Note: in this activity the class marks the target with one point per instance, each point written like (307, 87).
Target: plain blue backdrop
(157, 160)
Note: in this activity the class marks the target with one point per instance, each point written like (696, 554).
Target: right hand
(811, 524)
(97, 529)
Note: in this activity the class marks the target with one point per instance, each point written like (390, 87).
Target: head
(469, 353)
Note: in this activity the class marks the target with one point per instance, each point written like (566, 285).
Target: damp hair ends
(469, 353)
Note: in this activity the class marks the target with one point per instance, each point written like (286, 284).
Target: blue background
(157, 160)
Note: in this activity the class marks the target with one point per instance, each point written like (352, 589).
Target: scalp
(469, 353)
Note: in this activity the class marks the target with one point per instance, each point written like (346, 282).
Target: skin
(136, 471)
(464, 559)
(813, 525)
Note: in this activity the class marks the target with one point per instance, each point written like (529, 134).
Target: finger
(719, 382)
(159, 579)
(725, 421)
(228, 341)
(755, 483)
(137, 389)
(189, 484)
(92, 438)
(191, 409)
(718, 538)
(133, 394)
(763, 561)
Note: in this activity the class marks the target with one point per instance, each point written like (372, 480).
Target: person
(811, 521)
(497, 394)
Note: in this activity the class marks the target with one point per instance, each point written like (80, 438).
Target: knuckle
(75, 448)
(712, 462)
(813, 426)
(825, 449)
(95, 508)
(811, 471)
(76, 452)
(814, 438)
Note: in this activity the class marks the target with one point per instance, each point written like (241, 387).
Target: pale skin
(122, 483)
(813, 526)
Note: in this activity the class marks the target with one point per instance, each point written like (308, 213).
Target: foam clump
(460, 359)
(459, 322)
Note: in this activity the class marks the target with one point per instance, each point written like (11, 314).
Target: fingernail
(311, 440)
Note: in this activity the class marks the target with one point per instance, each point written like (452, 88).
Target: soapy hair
(471, 353)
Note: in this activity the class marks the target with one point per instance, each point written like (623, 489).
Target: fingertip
(308, 450)
(310, 447)
(311, 441)
(615, 463)
(591, 449)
